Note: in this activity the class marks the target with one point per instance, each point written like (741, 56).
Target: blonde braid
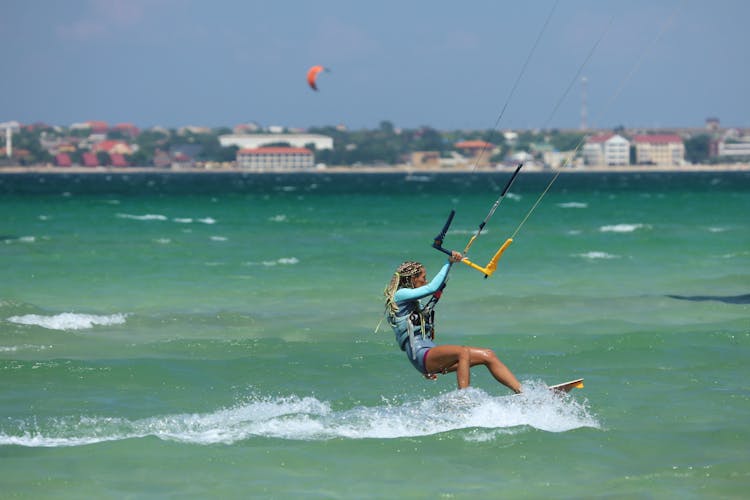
(402, 278)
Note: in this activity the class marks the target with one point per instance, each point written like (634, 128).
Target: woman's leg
(449, 358)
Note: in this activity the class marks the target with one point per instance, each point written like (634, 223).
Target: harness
(415, 320)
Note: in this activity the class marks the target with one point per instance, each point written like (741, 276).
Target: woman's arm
(423, 291)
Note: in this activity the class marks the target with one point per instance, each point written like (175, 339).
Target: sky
(475, 64)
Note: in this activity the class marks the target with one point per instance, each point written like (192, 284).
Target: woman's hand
(455, 257)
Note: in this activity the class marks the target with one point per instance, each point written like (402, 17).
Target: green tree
(565, 141)
(102, 158)
(697, 149)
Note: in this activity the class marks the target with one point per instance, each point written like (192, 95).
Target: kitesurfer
(413, 324)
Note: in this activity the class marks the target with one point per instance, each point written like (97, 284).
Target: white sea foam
(278, 218)
(470, 232)
(207, 220)
(219, 238)
(68, 321)
(20, 239)
(597, 255)
(23, 347)
(573, 204)
(285, 261)
(183, 220)
(142, 217)
(474, 413)
(622, 228)
(288, 260)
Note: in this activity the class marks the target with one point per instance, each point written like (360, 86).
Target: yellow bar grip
(475, 266)
(492, 265)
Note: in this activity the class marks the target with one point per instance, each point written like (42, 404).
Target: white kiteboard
(568, 386)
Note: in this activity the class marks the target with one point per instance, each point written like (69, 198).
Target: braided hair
(402, 278)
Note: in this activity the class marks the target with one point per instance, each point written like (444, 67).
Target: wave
(68, 321)
(160, 217)
(473, 411)
(470, 232)
(623, 228)
(597, 255)
(18, 239)
(24, 347)
(284, 261)
(573, 204)
(142, 217)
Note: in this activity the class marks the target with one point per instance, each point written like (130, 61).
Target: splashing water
(307, 418)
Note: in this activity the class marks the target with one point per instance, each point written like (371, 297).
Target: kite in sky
(312, 75)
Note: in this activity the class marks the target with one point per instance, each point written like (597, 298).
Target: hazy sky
(440, 63)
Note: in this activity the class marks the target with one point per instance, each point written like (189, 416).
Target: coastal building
(112, 146)
(127, 129)
(734, 149)
(275, 158)
(118, 160)
(558, 159)
(659, 149)
(90, 160)
(63, 160)
(97, 127)
(425, 159)
(606, 149)
(480, 152)
(250, 141)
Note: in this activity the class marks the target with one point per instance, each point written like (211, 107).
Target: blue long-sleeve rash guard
(433, 286)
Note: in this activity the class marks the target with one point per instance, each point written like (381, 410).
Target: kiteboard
(568, 386)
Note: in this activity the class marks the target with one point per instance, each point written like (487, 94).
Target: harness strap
(423, 330)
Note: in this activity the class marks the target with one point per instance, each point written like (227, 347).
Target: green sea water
(202, 336)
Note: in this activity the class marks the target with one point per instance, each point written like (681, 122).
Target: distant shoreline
(402, 169)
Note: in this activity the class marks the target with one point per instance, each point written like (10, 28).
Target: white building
(659, 149)
(249, 141)
(275, 158)
(607, 149)
(734, 149)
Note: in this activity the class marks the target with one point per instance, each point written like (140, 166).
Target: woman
(413, 325)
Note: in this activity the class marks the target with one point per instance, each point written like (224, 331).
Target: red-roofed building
(659, 149)
(98, 127)
(112, 146)
(606, 149)
(480, 151)
(90, 160)
(117, 160)
(275, 158)
(474, 145)
(63, 160)
(127, 128)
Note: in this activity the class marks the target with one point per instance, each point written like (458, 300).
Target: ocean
(213, 335)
